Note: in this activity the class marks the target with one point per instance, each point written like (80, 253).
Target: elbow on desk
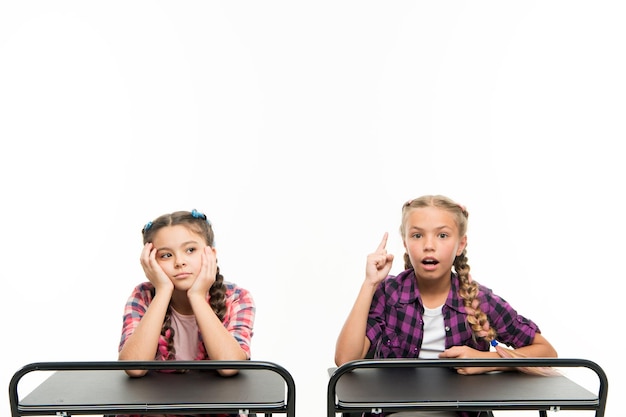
(228, 372)
(342, 359)
(548, 350)
(136, 373)
(553, 353)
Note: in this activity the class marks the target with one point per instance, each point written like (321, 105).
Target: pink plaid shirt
(238, 320)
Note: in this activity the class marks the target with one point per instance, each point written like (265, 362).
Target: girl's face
(431, 239)
(179, 253)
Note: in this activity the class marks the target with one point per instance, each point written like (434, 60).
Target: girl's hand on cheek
(206, 276)
(153, 270)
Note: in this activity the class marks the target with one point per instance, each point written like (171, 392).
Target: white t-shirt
(434, 333)
(433, 344)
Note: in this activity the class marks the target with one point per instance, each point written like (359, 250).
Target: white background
(300, 128)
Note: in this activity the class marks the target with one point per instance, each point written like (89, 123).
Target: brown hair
(198, 223)
(468, 289)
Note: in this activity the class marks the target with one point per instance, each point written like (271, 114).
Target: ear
(462, 245)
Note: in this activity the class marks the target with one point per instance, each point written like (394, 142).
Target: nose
(180, 262)
(429, 242)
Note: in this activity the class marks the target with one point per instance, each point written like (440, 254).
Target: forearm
(143, 342)
(219, 343)
(352, 343)
(539, 348)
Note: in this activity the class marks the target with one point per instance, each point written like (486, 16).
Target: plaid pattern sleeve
(135, 308)
(375, 319)
(394, 324)
(512, 328)
(240, 314)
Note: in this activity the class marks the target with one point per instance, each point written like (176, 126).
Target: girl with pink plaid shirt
(186, 311)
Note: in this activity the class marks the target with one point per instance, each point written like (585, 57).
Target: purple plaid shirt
(395, 326)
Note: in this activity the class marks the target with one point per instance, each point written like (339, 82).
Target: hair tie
(198, 215)
(463, 209)
(147, 226)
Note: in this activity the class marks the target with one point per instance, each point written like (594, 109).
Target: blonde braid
(468, 291)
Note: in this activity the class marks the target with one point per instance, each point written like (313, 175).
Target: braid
(407, 261)
(468, 291)
(169, 352)
(167, 333)
(217, 294)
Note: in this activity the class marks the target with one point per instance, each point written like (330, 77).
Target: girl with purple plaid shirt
(186, 311)
(433, 309)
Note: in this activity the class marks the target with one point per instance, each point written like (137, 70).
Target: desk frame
(336, 405)
(56, 406)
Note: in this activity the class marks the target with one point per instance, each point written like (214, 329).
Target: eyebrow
(436, 228)
(189, 242)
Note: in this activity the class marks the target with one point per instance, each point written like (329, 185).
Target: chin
(182, 287)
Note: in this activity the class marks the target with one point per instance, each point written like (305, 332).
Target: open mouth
(429, 261)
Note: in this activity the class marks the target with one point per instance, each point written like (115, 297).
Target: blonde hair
(468, 289)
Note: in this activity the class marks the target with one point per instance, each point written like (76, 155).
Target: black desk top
(197, 391)
(436, 386)
(96, 390)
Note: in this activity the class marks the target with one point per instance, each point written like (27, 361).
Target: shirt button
(447, 328)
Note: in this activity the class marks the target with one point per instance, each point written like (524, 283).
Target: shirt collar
(407, 288)
(408, 292)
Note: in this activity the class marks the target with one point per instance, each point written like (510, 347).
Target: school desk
(103, 388)
(387, 385)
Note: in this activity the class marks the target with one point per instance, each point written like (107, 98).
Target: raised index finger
(383, 243)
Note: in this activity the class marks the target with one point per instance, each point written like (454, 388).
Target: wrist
(163, 290)
(196, 296)
(370, 285)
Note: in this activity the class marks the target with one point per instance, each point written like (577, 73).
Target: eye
(191, 250)
(416, 235)
(165, 255)
(443, 235)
